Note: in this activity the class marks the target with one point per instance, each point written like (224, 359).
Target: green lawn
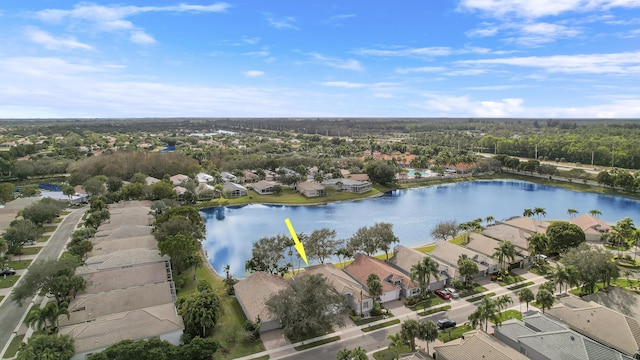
(43, 238)
(389, 354)
(459, 240)
(476, 298)
(433, 311)
(426, 249)
(229, 329)
(19, 265)
(1, 297)
(31, 250)
(8, 281)
(452, 334)
(358, 321)
(317, 343)
(50, 228)
(520, 286)
(433, 301)
(510, 279)
(475, 290)
(510, 314)
(381, 325)
(13, 347)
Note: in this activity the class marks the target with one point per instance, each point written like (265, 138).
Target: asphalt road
(10, 312)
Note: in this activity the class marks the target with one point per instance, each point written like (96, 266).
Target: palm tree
(410, 331)
(561, 276)
(538, 244)
(504, 301)
(595, 213)
(37, 319)
(467, 268)
(545, 298)
(344, 253)
(423, 272)
(375, 286)
(396, 342)
(344, 354)
(527, 213)
(487, 310)
(52, 311)
(572, 213)
(505, 251)
(489, 219)
(428, 332)
(526, 295)
(227, 270)
(540, 212)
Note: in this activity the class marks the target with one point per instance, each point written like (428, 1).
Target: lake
(231, 230)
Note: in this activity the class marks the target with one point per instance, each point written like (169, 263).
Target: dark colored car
(446, 323)
(442, 293)
(7, 272)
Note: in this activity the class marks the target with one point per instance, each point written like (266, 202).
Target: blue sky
(285, 58)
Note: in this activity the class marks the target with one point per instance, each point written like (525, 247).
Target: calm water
(413, 213)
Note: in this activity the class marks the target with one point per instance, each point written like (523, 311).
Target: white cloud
(459, 105)
(251, 41)
(483, 32)
(113, 18)
(54, 43)
(283, 23)
(253, 73)
(615, 63)
(540, 8)
(337, 19)
(534, 34)
(422, 52)
(422, 69)
(344, 84)
(142, 38)
(347, 64)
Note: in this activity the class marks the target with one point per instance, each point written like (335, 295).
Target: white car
(453, 292)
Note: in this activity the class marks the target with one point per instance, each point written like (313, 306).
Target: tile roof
(120, 259)
(503, 232)
(477, 345)
(106, 280)
(486, 245)
(254, 291)
(590, 224)
(364, 265)
(340, 281)
(528, 224)
(449, 253)
(138, 242)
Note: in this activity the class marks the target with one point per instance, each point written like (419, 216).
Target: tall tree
(528, 213)
(321, 244)
(526, 295)
(540, 212)
(179, 247)
(410, 330)
(201, 311)
(53, 347)
(486, 311)
(267, 254)
(19, 233)
(374, 285)
(572, 213)
(308, 306)
(545, 298)
(504, 301)
(505, 251)
(445, 230)
(595, 213)
(538, 244)
(423, 270)
(467, 268)
(428, 332)
(396, 343)
(563, 236)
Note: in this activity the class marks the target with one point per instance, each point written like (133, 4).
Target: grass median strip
(317, 343)
(520, 286)
(476, 298)
(13, 347)
(433, 311)
(381, 325)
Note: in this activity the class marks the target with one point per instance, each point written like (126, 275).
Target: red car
(442, 293)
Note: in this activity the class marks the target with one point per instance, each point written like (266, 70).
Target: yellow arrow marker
(298, 244)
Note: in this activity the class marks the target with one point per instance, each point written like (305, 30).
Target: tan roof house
(234, 190)
(178, 179)
(310, 189)
(404, 258)
(264, 187)
(487, 246)
(594, 228)
(349, 185)
(253, 292)
(449, 253)
(107, 280)
(475, 345)
(394, 282)
(599, 323)
(357, 295)
(503, 232)
(528, 224)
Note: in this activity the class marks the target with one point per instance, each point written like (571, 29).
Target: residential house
(205, 191)
(250, 177)
(528, 224)
(606, 326)
(541, 338)
(357, 295)
(150, 180)
(449, 253)
(178, 179)
(204, 178)
(474, 345)
(269, 175)
(519, 237)
(404, 258)
(310, 189)
(226, 176)
(264, 187)
(234, 190)
(350, 185)
(594, 228)
(394, 282)
(253, 292)
(487, 246)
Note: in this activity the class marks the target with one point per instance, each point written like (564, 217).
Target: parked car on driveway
(7, 272)
(442, 293)
(446, 323)
(453, 292)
